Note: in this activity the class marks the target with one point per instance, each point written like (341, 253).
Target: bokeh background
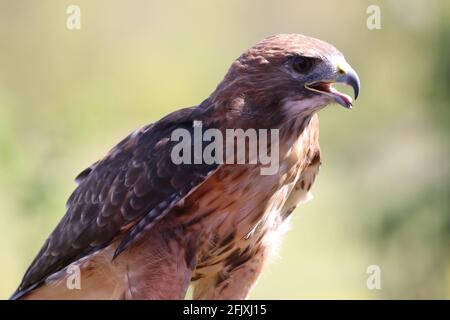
(382, 197)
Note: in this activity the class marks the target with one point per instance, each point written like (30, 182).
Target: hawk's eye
(302, 64)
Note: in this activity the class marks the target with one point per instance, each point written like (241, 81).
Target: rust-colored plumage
(139, 226)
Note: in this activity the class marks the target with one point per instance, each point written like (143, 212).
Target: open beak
(346, 75)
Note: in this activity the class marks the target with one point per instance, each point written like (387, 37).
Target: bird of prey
(139, 226)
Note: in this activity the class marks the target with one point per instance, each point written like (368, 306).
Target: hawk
(139, 226)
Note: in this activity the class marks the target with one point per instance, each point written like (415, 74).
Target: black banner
(249, 309)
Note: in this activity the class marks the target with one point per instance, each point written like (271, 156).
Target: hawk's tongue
(327, 88)
(341, 98)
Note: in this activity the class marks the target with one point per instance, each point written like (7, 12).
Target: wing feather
(125, 192)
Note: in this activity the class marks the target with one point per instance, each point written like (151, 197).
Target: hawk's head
(296, 70)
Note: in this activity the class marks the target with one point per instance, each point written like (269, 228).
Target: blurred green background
(382, 197)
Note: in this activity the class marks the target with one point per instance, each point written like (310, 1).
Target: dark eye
(302, 64)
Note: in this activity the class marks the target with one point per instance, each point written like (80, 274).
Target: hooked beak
(345, 75)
